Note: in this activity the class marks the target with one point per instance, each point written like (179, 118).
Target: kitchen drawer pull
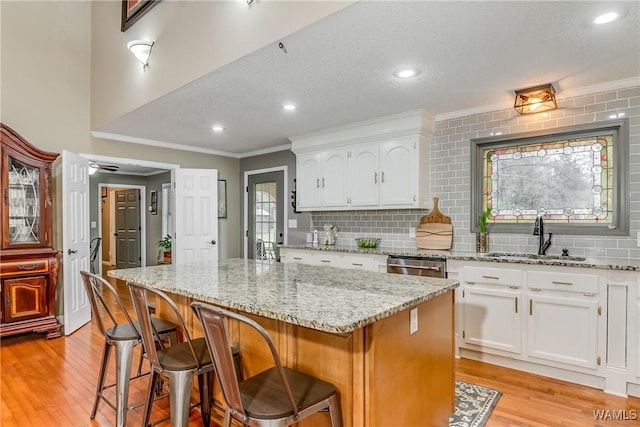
(357, 264)
(491, 277)
(418, 267)
(516, 301)
(297, 257)
(514, 287)
(27, 267)
(317, 182)
(562, 283)
(325, 260)
(535, 289)
(375, 177)
(530, 307)
(383, 177)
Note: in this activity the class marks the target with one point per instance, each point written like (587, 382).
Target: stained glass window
(573, 178)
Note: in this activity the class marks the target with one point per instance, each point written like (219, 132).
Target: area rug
(474, 405)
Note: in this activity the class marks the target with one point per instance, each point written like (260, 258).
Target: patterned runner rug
(474, 405)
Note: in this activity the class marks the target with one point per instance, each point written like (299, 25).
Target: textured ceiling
(339, 70)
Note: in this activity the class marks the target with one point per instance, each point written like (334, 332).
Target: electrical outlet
(412, 232)
(413, 321)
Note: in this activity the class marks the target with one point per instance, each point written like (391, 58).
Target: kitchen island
(352, 328)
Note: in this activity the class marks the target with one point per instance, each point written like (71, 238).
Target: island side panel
(336, 358)
(411, 379)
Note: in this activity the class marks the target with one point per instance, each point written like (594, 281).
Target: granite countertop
(583, 262)
(324, 298)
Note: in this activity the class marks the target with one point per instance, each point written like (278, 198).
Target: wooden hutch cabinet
(28, 263)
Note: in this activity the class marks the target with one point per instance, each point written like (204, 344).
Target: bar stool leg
(153, 379)
(204, 382)
(180, 383)
(106, 353)
(124, 354)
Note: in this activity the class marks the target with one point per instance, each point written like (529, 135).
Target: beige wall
(193, 38)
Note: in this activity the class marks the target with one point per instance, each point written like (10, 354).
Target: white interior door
(196, 216)
(75, 239)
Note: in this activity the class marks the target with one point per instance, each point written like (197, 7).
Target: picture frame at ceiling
(222, 198)
(132, 10)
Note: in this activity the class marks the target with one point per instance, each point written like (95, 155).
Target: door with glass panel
(266, 214)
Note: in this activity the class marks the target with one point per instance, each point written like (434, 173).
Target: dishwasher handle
(418, 267)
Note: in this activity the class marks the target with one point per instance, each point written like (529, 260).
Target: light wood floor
(51, 383)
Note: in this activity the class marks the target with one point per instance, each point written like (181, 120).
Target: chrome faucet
(538, 230)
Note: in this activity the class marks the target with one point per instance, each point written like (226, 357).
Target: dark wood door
(24, 298)
(127, 228)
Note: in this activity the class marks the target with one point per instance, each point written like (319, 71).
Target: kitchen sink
(532, 256)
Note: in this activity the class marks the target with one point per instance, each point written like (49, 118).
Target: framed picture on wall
(222, 198)
(132, 10)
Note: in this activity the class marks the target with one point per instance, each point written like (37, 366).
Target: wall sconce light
(535, 99)
(142, 51)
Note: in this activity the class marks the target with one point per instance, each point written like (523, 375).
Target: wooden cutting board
(434, 231)
(435, 216)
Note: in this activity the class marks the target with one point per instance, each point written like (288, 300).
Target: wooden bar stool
(121, 332)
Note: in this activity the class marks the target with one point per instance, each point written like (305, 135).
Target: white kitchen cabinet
(493, 319)
(563, 317)
(398, 163)
(492, 308)
(364, 176)
(321, 179)
(346, 260)
(563, 328)
(298, 257)
(326, 258)
(381, 164)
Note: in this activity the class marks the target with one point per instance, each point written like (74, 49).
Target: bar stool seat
(107, 308)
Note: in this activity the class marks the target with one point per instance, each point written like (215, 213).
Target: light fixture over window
(536, 99)
(142, 51)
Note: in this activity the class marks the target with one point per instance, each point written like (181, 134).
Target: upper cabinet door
(24, 202)
(308, 180)
(364, 176)
(333, 181)
(398, 173)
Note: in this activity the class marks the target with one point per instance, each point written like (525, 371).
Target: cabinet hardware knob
(491, 277)
(317, 182)
(71, 251)
(382, 177)
(530, 307)
(375, 177)
(27, 267)
(516, 302)
(213, 242)
(514, 287)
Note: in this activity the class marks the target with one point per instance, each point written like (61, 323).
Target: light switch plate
(93, 224)
(293, 223)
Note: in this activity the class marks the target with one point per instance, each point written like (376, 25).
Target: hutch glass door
(24, 203)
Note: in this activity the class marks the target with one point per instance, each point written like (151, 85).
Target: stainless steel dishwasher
(417, 266)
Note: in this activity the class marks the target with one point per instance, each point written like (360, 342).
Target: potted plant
(165, 244)
(482, 237)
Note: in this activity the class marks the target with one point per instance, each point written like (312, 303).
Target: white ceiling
(472, 56)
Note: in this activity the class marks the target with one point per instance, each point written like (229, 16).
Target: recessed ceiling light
(217, 128)
(605, 18)
(406, 73)
(289, 107)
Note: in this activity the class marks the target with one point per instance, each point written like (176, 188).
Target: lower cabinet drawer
(495, 276)
(21, 267)
(358, 263)
(567, 282)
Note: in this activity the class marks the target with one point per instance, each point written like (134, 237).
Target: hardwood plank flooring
(52, 383)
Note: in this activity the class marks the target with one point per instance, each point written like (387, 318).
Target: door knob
(70, 252)
(213, 242)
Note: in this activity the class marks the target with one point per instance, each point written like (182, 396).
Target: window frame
(618, 128)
